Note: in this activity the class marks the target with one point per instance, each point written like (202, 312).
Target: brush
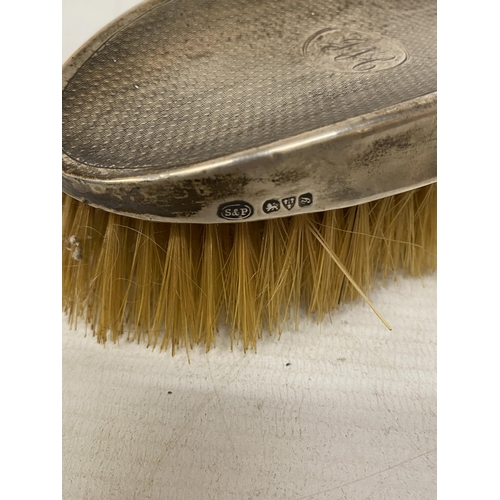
(235, 162)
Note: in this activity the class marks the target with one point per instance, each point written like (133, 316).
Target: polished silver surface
(223, 110)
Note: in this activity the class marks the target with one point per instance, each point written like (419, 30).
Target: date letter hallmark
(353, 51)
(305, 200)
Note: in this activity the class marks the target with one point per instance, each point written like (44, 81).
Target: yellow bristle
(170, 285)
(241, 279)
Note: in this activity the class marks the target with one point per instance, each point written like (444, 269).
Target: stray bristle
(171, 285)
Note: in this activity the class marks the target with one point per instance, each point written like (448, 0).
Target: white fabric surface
(353, 416)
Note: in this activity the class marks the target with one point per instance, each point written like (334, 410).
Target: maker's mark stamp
(235, 210)
(353, 51)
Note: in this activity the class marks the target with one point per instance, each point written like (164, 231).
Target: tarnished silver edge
(385, 152)
(213, 220)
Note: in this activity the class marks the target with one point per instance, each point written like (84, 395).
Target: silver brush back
(230, 110)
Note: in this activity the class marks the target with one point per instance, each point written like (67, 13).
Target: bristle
(108, 287)
(175, 318)
(295, 279)
(212, 292)
(426, 228)
(271, 264)
(241, 279)
(357, 259)
(328, 279)
(169, 285)
(144, 281)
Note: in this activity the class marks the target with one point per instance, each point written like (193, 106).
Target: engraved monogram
(353, 51)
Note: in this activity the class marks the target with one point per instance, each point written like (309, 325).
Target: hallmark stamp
(289, 202)
(305, 200)
(353, 51)
(271, 206)
(235, 210)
